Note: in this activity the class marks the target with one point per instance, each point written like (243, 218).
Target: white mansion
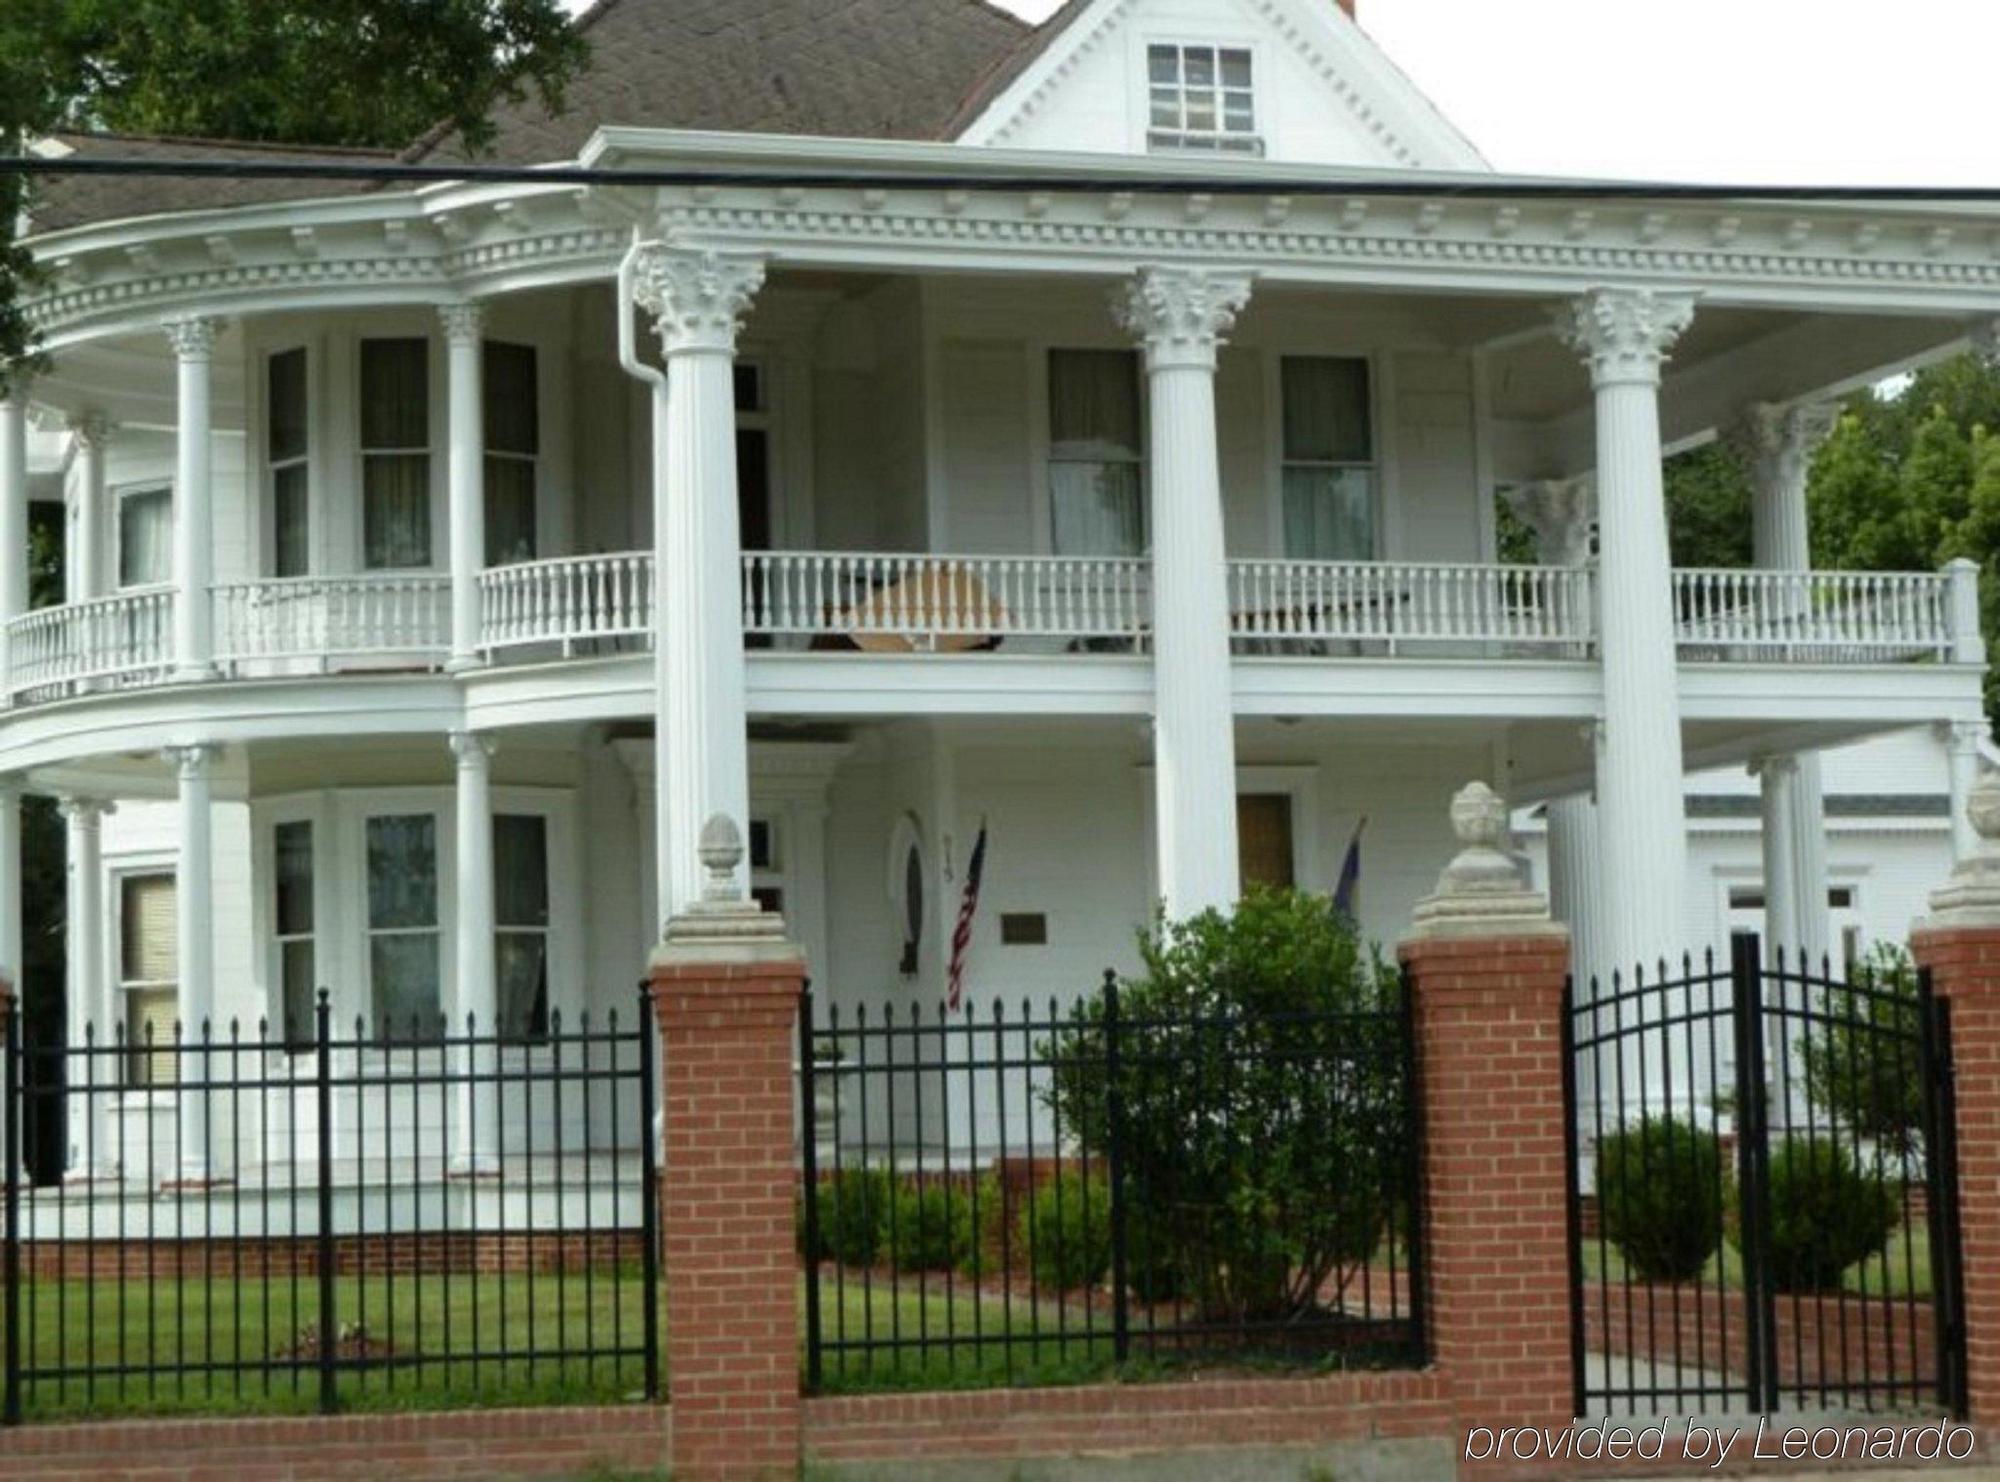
(1090, 432)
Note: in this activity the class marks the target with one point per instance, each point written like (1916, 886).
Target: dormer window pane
(1198, 66)
(1163, 64)
(1202, 97)
(1236, 69)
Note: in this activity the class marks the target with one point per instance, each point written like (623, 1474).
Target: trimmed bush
(853, 1210)
(1827, 1212)
(1660, 1196)
(1066, 1228)
(928, 1227)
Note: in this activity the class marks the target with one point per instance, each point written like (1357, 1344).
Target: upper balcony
(886, 604)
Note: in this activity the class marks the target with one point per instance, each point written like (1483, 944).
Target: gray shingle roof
(877, 69)
(61, 201)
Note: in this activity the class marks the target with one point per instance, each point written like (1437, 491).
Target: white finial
(1481, 892)
(721, 851)
(1972, 896)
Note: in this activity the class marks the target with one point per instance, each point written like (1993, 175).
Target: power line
(1067, 181)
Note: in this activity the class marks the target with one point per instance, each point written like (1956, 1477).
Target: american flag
(961, 934)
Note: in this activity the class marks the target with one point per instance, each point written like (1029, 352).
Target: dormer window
(1201, 98)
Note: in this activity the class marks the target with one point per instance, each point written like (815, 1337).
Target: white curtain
(145, 538)
(1329, 481)
(1329, 514)
(521, 912)
(1094, 453)
(404, 942)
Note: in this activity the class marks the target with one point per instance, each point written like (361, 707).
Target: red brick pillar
(1486, 968)
(726, 986)
(1960, 943)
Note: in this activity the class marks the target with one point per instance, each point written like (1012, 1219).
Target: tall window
(395, 454)
(145, 537)
(1094, 453)
(513, 439)
(285, 450)
(292, 878)
(148, 962)
(404, 937)
(521, 921)
(1329, 460)
(1201, 97)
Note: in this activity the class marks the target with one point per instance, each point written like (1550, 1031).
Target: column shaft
(193, 341)
(1778, 776)
(13, 521)
(476, 1008)
(194, 925)
(698, 299)
(86, 559)
(1576, 888)
(1182, 316)
(89, 1023)
(466, 470)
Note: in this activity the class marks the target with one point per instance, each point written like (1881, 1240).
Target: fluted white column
(13, 519)
(477, 1152)
(1778, 777)
(193, 342)
(89, 1021)
(465, 462)
(194, 932)
(86, 555)
(1962, 751)
(1181, 316)
(1623, 336)
(697, 300)
(1777, 444)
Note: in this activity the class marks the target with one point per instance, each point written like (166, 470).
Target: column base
(187, 1184)
(83, 1178)
(462, 663)
(194, 673)
(473, 1168)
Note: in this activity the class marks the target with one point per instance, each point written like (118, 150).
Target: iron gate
(1763, 1190)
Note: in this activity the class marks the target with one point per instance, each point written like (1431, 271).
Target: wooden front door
(1264, 838)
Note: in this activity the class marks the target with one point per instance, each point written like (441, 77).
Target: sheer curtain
(395, 457)
(145, 538)
(404, 970)
(513, 439)
(1329, 475)
(1094, 453)
(521, 914)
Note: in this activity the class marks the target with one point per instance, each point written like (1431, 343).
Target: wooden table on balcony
(934, 611)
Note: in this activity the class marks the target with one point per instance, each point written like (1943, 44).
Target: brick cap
(778, 951)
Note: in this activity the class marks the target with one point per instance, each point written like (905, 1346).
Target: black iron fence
(269, 1221)
(1038, 1194)
(1764, 1202)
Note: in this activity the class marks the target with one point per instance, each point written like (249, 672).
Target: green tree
(327, 72)
(1264, 1121)
(1860, 1061)
(1708, 507)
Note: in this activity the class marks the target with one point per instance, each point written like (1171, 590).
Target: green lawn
(1902, 1268)
(411, 1343)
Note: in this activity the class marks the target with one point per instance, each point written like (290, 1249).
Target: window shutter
(150, 949)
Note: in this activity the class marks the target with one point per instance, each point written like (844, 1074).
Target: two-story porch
(1167, 596)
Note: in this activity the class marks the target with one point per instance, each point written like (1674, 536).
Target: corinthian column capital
(463, 323)
(192, 338)
(1777, 443)
(697, 298)
(1560, 512)
(1624, 334)
(1181, 314)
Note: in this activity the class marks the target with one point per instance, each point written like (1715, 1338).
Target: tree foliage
(1263, 1121)
(325, 72)
(1860, 1062)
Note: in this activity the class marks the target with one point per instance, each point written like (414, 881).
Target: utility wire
(1066, 180)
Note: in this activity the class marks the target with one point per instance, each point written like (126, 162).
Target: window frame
(140, 489)
(303, 460)
(1157, 140)
(433, 394)
(124, 870)
(1377, 467)
(489, 454)
(1041, 386)
(532, 1033)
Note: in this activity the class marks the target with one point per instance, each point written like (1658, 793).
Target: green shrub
(984, 1209)
(1066, 1228)
(853, 1210)
(1660, 1197)
(928, 1227)
(1827, 1212)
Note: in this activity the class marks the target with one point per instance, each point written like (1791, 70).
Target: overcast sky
(1813, 91)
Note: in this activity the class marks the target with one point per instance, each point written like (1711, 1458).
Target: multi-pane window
(285, 451)
(148, 965)
(1095, 482)
(292, 915)
(1329, 459)
(513, 441)
(521, 920)
(1201, 97)
(395, 454)
(404, 937)
(145, 537)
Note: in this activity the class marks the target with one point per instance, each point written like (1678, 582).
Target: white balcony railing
(322, 620)
(1387, 607)
(110, 641)
(1814, 616)
(892, 602)
(582, 599)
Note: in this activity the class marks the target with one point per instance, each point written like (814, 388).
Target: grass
(1901, 1269)
(198, 1347)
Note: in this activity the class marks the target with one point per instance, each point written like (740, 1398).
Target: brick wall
(469, 1444)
